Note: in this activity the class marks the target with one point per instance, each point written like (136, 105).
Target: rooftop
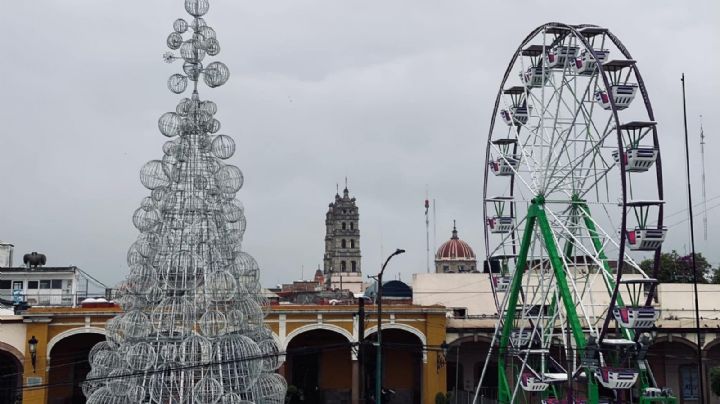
(38, 269)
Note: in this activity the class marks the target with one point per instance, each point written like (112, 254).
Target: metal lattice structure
(192, 329)
(573, 201)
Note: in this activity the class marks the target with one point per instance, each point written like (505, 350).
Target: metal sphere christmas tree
(192, 329)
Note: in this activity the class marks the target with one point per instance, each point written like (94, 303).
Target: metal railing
(49, 299)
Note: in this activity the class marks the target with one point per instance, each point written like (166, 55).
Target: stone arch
(711, 344)
(405, 359)
(318, 326)
(11, 373)
(12, 351)
(323, 375)
(403, 327)
(674, 338)
(470, 338)
(68, 333)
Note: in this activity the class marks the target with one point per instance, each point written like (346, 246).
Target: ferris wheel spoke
(579, 111)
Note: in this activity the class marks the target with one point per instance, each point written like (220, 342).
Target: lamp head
(32, 344)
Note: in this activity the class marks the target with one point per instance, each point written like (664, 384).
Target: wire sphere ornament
(271, 389)
(174, 40)
(193, 323)
(229, 179)
(177, 83)
(223, 147)
(197, 8)
(180, 26)
(193, 70)
(207, 390)
(216, 74)
(153, 176)
(103, 395)
(141, 356)
(238, 361)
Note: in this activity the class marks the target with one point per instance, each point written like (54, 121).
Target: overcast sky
(395, 95)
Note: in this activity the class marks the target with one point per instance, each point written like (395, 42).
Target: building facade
(325, 365)
(342, 265)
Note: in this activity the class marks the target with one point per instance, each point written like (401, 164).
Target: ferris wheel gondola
(573, 200)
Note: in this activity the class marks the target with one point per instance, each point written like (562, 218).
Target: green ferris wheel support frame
(537, 216)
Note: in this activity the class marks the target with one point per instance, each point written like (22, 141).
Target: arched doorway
(712, 360)
(674, 364)
(402, 359)
(69, 366)
(319, 366)
(11, 370)
(465, 362)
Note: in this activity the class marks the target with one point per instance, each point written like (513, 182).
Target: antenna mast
(427, 230)
(704, 195)
(434, 226)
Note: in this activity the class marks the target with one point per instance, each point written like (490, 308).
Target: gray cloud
(394, 95)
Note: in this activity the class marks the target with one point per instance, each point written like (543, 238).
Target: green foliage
(676, 268)
(715, 380)
(441, 398)
(292, 393)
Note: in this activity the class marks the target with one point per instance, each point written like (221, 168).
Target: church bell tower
(342, 260)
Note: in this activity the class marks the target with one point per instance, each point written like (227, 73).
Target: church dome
(455, 249)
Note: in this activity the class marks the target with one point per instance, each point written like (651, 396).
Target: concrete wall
(12, 333)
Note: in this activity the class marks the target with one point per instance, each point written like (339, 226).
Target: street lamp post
(378, 365)
(32, 347)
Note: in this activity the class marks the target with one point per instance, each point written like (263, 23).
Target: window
(5, 284)
(32, 284)
(353, 266)
(45, 284)
(56, 284)
(352, 225)
(459, 312)
(689, 382)
(343, 225)
(446, 268)
(343, 265)
(342, 244)
(461, 268)
(352, 243)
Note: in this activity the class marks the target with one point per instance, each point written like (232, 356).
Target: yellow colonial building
(64, 337)
(323, 360)
(323, 357)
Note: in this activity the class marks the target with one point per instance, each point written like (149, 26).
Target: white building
(39, 285)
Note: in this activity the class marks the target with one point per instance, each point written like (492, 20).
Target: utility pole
(427, 232)
(361, 346)
(378, 352)
(701, 377)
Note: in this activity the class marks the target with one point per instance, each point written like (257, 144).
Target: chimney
(6, 254)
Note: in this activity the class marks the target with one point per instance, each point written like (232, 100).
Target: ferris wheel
(573, 202)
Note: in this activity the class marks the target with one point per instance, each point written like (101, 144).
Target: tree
(676, 268)
(715, 380)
